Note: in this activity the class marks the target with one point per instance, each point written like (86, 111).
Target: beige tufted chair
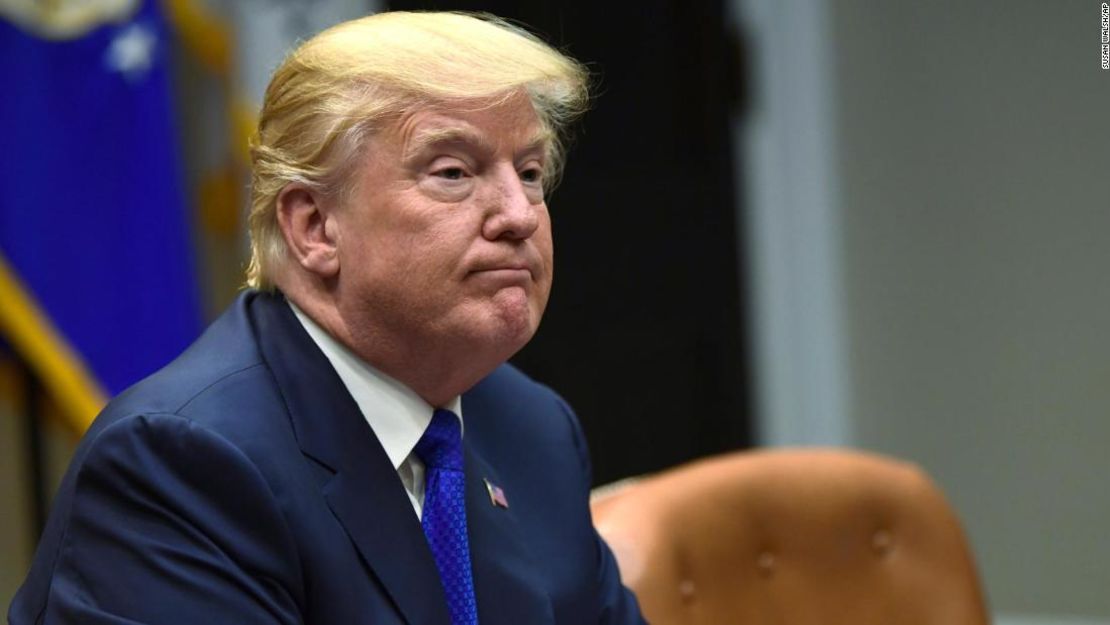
(792, 537)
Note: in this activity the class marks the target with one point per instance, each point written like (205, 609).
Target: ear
(309, 230)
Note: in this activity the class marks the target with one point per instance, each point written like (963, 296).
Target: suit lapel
(505, 581)
(387, 533)
(364, 493)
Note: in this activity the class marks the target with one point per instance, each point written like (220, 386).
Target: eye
(450, 173)
(532, 175)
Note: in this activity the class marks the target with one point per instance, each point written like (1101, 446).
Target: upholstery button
(766, 563)
(882, 542)
(686, 590)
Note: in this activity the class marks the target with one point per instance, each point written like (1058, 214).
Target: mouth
(517, 265)
(507, 275)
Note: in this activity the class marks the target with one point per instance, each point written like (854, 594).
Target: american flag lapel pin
(496, 495)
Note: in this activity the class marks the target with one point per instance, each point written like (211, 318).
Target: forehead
(511, 124)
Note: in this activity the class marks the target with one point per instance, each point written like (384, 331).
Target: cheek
(545, 245)
(427, 262)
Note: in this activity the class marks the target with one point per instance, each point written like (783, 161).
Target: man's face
(446, 241)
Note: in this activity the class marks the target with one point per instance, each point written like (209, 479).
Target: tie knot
(441, 445)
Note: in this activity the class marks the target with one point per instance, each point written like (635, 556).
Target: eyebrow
(424, 139)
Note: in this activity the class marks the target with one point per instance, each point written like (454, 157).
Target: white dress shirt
(396, 414)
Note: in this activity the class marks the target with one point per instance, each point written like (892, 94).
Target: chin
(511, 323)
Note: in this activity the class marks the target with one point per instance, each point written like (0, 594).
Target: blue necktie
(444, 518)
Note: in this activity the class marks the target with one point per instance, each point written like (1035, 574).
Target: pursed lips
(508, 270)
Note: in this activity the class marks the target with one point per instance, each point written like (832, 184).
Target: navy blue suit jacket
(242, 485)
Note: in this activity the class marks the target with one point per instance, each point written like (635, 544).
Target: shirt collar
(396, 414)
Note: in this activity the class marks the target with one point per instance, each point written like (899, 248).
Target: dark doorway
(644, 332)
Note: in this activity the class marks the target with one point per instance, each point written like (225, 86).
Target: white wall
(969, 230)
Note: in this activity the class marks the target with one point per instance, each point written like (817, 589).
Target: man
(302, 462)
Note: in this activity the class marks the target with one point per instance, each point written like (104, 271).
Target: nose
(512, 208)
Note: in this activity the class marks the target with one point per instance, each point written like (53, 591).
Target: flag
(97, 283)
(496, 494)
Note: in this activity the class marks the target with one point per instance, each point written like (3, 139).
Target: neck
(435, 371)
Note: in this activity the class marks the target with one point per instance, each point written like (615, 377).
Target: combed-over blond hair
(331, 94)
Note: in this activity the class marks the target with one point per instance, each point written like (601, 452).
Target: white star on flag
(131, 53)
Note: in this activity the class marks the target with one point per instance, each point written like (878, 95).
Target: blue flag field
(97, 283)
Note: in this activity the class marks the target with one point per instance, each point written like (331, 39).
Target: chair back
(792, 537)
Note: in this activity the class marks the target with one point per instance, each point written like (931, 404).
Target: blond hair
(331, 94)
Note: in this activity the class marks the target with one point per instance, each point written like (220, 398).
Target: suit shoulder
(509, 391)
(508, 382)
(226, 348)
(222, 382)
(509, 405)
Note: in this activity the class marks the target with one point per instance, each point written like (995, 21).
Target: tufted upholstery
(792, 537)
